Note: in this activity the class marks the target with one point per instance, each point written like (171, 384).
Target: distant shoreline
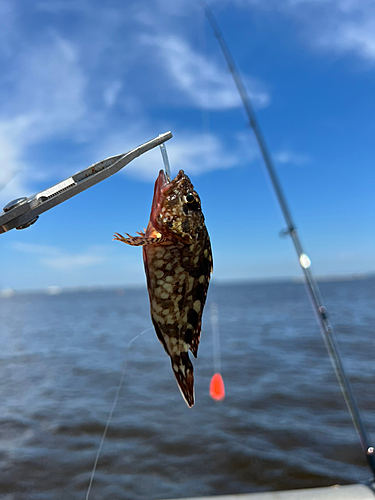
(121, 289)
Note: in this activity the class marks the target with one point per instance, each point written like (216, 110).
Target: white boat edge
(336, 492)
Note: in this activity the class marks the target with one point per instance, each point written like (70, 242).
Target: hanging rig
(321, 314)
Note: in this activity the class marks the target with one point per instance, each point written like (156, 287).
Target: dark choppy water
(282, 425)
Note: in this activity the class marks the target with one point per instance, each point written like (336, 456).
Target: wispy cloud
(48, 92)
(333, 25)
(194, 152)
(35, 248)
(290, 158)
(7, 18)
(58, 259)
(14, 171)
(355, 36)
(47, 99)
(205, 84)
(111, 92)
(200, 153)
(65, 262)
(53, 87)
(58, 88)
(56, 6)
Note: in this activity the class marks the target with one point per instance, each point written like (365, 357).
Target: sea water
(282, 425)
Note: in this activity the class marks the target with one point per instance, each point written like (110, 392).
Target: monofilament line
(214, 317)
(4, 184)
(119, 387)
(167, 168)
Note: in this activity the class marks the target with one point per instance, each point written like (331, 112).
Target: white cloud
(61, 260)
(35, 248)
(50, 88)
(176, 8)
(111, 92)
(351, 28)
(67, 262)
(288, 157)
(47, 99)
(352, 36)
(194, 152)
(205, 84)
(12, 172)
(57, 92)
(58, 6)
(200, 153)
(335, 25)
(7, 19)
(51, 98)
(8, 161)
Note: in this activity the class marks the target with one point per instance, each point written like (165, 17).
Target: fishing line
(312, 287)
(167, 167)
(119, 387)
(214, 317)
(167, 170)
(4, 184)
(217, 390)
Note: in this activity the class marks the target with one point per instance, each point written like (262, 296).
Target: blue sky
(82, 80)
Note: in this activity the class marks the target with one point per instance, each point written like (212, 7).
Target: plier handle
(23, 212)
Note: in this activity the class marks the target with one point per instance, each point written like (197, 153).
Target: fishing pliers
(23, 212)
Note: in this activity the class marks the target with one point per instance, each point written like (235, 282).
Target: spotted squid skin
(178, 264)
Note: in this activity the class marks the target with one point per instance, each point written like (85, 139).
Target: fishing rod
(312, 287)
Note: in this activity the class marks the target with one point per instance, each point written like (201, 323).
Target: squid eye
(190, 198)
